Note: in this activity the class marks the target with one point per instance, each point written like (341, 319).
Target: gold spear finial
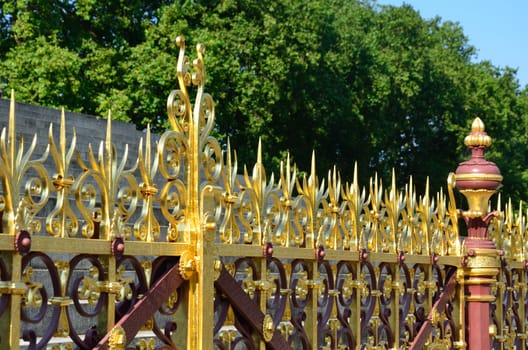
(11, 139)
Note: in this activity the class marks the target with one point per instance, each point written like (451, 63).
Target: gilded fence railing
(326, 264)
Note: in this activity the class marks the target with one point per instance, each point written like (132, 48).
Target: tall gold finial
(477, 178)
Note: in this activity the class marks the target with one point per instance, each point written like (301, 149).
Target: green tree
(42, 71)
(352, 80)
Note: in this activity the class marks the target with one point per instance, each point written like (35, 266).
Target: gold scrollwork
(286, 329)
(203, 200)
(227, 336)
(146, 344)
(33, 297)
(388, 285)
(116, 186)
(284, 234)
(348, 286)
(125, 290)
(20, 209)
(62, 221)
(267, 201)
(88, 289)
(361, 285)
(147, 227)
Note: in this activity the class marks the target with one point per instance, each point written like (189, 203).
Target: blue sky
(498, 29)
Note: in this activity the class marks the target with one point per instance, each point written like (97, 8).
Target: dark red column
(480, 273)
(478, 179)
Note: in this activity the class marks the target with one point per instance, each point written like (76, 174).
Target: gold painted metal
(227, 336)
(118, 202)
(436, 317)
(25, 191)
(217, 268)
(19, 208)
(189, 142)
(489, 177)
(117, 339)
(147, 227)
(13, 288)
(187, 265)
(268, 328)
(481, 298)
(477, 137)
(62, 221)
(185, 197)
(63, 328)
(478, 201)
(146, 344)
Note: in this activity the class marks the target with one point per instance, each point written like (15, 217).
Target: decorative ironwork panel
(321, 263)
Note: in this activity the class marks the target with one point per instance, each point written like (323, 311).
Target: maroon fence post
(478, 179)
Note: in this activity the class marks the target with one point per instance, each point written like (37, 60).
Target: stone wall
(31, 120)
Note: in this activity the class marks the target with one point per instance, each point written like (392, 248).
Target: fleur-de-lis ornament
(25, 181)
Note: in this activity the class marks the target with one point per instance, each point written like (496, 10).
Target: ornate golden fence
(236, 261)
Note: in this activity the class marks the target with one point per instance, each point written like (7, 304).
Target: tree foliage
(352, 80)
